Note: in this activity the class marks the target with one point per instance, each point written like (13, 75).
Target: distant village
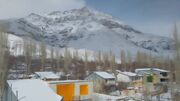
(144, 83)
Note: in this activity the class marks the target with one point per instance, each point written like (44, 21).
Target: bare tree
(76, 55)
(112, 60)
(99, 58)
(105, 59)
(43, 55)
(123, 59)
(129, 59)
(176, 35)
(52, 58)
(67, 60)
(4, 54)
(58, 56)
(86, 61)
(177, 57)
(29, 48)
(140, 59)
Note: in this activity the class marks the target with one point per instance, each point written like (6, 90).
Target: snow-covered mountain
(88, 29)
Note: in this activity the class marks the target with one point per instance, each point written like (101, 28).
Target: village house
(30, 90)
(47, 76)
(159, 75)
(127, 76)
(101, 78)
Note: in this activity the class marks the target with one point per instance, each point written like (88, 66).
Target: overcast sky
(151, 16)
(20, 8)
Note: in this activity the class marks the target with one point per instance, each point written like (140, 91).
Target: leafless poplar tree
(123, 59)
(58, 56)
(43, 55)
(4, 54)
(29, 48)
(86, 61)
(52, 58)
(67, 60)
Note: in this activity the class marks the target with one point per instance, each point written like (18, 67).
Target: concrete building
(127, 76)
(101, 79)
(30, 90)
(73, 90)
(159, 75)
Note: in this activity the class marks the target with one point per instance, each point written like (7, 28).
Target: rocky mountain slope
(88, 29)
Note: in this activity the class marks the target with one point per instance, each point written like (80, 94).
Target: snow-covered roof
(33, 90)
(105, 75)
(67, 81)
(129, 73)
(123, 78)
(47, 75)
(60, 74)
(148, 69)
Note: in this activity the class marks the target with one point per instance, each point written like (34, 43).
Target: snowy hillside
(88, 29)
(16, 48)
(15, 44)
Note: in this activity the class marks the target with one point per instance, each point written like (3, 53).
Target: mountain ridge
(88, 29)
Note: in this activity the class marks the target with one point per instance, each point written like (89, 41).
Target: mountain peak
(84, 28)
(85, 9)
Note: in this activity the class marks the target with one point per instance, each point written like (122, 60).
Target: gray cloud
(20, 8)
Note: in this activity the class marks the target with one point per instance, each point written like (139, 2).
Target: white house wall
(10, 96)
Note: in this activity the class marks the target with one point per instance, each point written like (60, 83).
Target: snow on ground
(163, 97)
(103, 97)
(15, 44)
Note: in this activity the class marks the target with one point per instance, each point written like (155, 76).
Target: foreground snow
(31, 90)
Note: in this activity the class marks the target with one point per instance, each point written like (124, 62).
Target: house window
(163, 80)
(83, 89)
(164, 74)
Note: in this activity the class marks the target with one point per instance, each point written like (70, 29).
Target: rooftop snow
(67, 81)
(129, 73)
(123, 78)
(105, 75)
(47, 75)
(148, 69)
(33, 90)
